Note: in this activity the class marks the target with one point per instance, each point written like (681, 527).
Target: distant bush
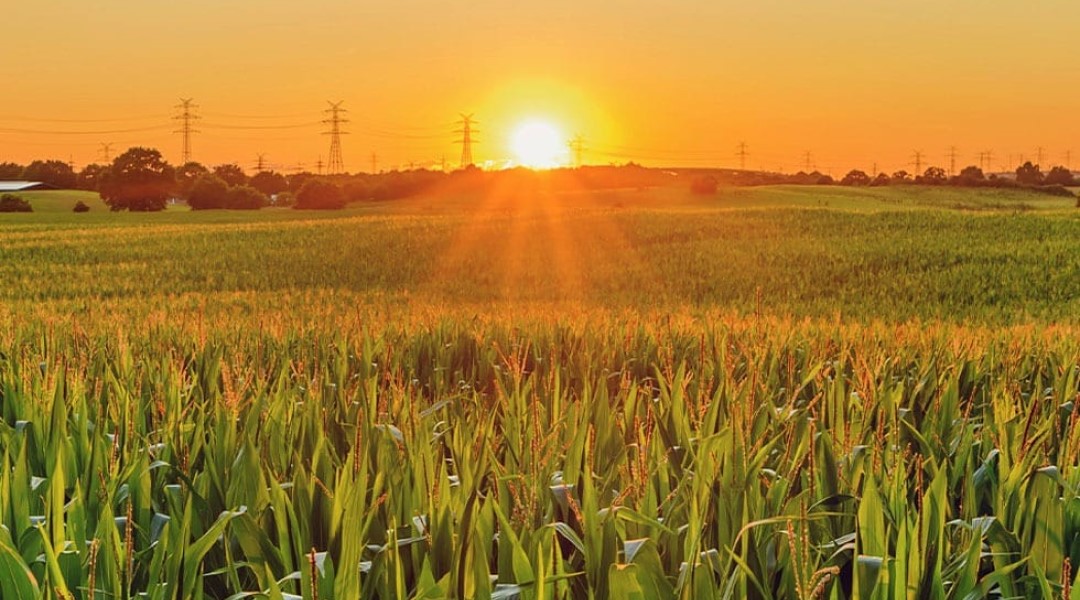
(243, 197)
(283, 199)
(81, 207)
(320, 194)
(209, 191)
(13, 203)
(1054, 190)
(704, 185)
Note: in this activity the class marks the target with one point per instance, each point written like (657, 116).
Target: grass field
(773, 393)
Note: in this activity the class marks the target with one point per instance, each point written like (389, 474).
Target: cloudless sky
(855, 82)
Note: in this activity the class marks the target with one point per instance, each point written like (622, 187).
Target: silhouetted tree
(935, 176)
(971, 174)
(53, 172)
(855, 177)
(901, 176)
(320, 194)
(1060, 176)
(10, 171)
(269, 182)
(207, 192)
(1029, 174)
(231, 173)
(12, 203)
(81, 207)
(704, 185)
(90, 177)
(297, 180)
(882, 179)
(245, 197)
(138, 180)
(186, 175)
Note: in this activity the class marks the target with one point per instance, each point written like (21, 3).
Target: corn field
(694, 457)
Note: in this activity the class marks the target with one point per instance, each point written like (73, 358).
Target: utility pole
(1039, 156)
(742, 154)
(319, 166)
(260, 163)
(952, 161)
(106, 153)
(374, 163)
(917, 162)
(336, 164)
(466, 140)
(186, 118)
(1068, 159)
(577, 146)
(873, 170)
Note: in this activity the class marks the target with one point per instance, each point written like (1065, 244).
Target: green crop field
(780, 392)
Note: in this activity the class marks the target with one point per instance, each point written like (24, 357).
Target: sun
(538, 144)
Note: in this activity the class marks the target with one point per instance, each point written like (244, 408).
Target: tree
(935, 176)
(1029, 174)
(12, 203)
(971, 174)
(901, 176)
(245, 197)
(855, 177)
(81, 207)
(207, 192)
(269, 182)
(320, 194)
(10, 171)
(138, 180)
(881, 180)
(704, 185)
(53, 172)
(231, 173)
(186, 175)
(1060, 176)
(90, 177)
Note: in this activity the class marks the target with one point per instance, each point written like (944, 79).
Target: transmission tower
(374, 163)
(260, 163)
(916, 161)
(989, 160)
(1039, 156)
(742, 154)
(1068, 159)
(187, 117)
(336, 164)
(952, 160)
(577, 146)
(467, 139)
(809, 158)
(106, 153)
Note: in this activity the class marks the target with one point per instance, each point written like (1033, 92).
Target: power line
(186, 118)
(466, 140)
(742, 154)
(917, 161)
(336, 164)
(577, 146)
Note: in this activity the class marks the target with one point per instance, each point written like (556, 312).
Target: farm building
(24, 186)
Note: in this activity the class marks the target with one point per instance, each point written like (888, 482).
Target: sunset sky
(681, 82)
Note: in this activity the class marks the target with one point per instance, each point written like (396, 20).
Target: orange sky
(681, 82)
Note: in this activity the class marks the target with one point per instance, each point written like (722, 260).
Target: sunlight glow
(538, 144)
